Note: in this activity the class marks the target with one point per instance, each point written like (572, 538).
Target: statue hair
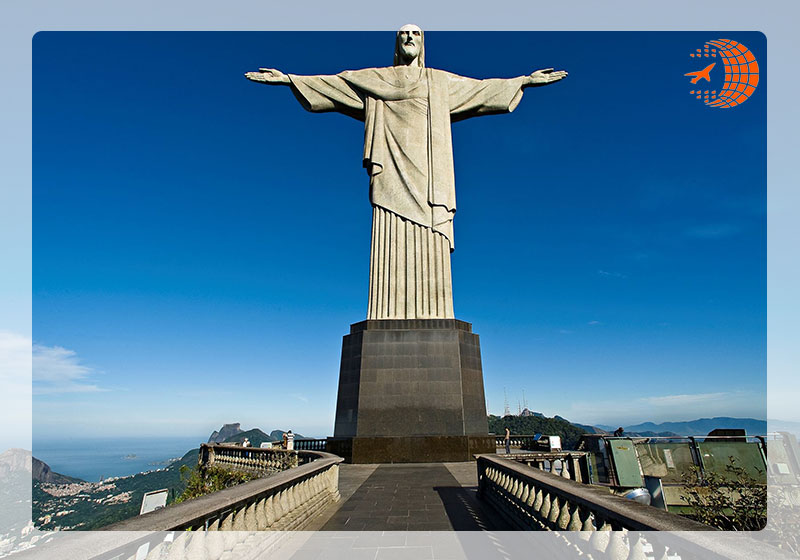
(420, 61)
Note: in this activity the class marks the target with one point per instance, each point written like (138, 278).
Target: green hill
(529, 425)
(96, 504)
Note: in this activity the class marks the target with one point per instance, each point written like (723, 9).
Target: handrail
(282, 501)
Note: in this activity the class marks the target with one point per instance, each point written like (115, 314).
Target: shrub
(202, 481)
(731, 501)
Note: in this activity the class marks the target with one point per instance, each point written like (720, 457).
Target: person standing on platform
(508, 441)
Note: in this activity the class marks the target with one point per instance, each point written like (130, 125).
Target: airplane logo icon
(702, 74)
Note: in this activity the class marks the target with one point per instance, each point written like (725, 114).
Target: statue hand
(546, 76)
(267, 76)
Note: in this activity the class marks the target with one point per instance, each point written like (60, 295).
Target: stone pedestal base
(410, 390)
(410, 449)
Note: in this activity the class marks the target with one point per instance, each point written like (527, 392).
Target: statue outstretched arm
(473, 98)
(315, 93)
(544, 77)
(268, 76)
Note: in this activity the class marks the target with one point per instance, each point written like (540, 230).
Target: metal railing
(309, 444)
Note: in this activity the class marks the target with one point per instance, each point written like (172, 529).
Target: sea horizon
(96, 458)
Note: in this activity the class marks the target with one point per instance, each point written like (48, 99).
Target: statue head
(409, 47)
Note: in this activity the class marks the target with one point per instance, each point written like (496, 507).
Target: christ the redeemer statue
(407, 110)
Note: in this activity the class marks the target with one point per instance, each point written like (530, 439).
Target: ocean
(96, 459)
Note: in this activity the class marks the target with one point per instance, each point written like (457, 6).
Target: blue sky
(201, 243)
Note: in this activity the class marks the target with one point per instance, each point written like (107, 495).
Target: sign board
(626, 462)
(154, 500)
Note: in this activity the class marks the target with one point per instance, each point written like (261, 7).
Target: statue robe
(408, 154)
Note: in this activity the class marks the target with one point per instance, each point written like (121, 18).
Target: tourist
(508, 441)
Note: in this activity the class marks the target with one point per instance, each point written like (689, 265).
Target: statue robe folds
(408, 154)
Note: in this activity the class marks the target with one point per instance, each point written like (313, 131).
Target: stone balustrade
(287, 500)
(572, 465)
(533, 499)
(254, 460)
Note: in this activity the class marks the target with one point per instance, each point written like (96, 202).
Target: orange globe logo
(741, 73)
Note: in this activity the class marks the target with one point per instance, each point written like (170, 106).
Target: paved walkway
(409, 497)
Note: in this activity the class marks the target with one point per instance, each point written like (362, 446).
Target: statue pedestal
(410, 390)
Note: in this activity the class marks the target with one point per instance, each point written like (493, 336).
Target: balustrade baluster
(291, 498)
(575, 523)
(279, 502)
(227, 521)
(602, 536)
(544, 511)
(617, 548)
(575, 463)
(564, 516)
(538, 500)
(250, 519)
(636, 546)
(261, 514)
(509, 485)
(238, 520)
(530, 497)
(555, 511)
(526, 492)
(564, 469)
(588, 520)
(269, 510)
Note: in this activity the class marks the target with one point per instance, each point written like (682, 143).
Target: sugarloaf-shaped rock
(226, 432)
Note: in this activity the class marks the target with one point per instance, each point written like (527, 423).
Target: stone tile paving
(414, 497)
(394, 512)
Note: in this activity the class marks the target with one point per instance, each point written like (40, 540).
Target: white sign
(154, 500)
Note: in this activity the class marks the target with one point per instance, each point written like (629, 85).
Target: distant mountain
(590, 429)
(40, 471)
(256, 436)
(702, 426)
(227, 431)
(14, 461)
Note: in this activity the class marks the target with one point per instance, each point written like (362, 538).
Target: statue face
(409, 41)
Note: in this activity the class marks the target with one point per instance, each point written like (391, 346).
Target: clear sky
(201, 243)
